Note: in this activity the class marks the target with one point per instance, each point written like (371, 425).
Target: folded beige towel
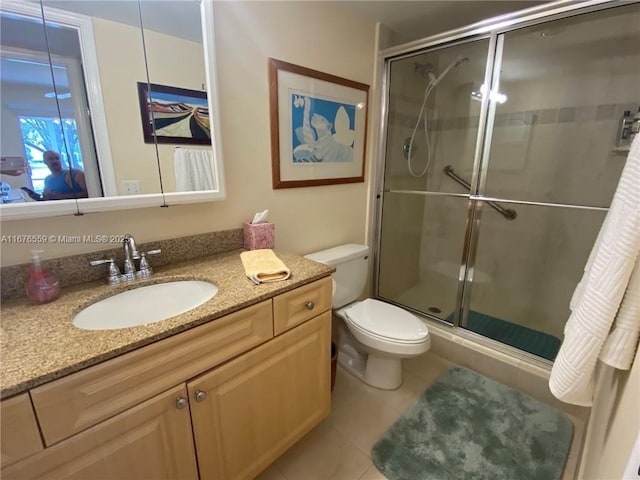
(263, 266)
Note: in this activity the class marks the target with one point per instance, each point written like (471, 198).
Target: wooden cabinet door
(247, 412)
(150, 441)
(19, 435)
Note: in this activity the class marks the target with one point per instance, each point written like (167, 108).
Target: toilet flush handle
(309, 305)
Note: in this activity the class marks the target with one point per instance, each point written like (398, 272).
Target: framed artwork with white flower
(318, 127)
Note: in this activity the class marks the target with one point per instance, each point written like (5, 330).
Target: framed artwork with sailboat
(174, 115)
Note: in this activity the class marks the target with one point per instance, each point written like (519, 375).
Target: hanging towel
(621, 344)
(193, 169)
(605, 308)
(263, 266)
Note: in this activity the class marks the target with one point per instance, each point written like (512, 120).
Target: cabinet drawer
(299, 305)
(83, 399)
(18, 430)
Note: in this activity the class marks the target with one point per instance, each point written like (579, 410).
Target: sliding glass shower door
(424, 214)
(523, 162)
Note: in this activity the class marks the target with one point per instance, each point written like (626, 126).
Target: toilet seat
(386, 322)
(386, 340)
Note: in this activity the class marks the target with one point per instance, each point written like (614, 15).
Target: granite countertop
(39, 343)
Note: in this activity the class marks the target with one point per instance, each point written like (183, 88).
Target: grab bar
(507, 213)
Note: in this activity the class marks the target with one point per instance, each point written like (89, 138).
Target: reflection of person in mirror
(62, 183)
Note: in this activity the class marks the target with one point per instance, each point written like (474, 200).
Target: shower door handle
(507, 213)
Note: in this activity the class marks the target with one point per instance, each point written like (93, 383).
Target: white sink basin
(143, 305)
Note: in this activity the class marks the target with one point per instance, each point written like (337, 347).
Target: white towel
(605, 308)
(193, 169)
(620, 346)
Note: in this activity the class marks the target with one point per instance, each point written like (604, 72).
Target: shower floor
(523, 338)
(538, 343)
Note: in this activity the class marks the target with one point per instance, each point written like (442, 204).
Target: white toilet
(379, 335)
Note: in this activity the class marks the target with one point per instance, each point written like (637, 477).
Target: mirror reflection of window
(40, 134)
(44, 104)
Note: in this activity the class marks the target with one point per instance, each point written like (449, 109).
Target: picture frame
(179, 115)
(318, 127)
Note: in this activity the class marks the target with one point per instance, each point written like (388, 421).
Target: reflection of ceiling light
(32, 62)
(61, 96)
(21, 18)
(493, 96)
(550, 32)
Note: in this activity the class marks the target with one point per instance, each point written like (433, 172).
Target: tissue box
(258, 235)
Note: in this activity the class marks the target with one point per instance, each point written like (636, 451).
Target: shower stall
(502, 151)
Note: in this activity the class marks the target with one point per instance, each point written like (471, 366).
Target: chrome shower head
(423, 69)
(460, 61)
(456, 63)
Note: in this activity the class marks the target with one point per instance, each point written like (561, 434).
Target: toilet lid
(386, 320)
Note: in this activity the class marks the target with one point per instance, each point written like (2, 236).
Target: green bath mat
(523, 338)
(466, 426)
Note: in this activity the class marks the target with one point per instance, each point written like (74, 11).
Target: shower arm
(507, 213)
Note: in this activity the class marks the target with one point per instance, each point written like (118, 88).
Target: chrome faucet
(131, 254)
(114, 277)
(145, 269)
(131, 242)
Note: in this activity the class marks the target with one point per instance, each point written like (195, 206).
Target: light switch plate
(131, 187)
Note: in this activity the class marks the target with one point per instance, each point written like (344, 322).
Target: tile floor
(339, 448)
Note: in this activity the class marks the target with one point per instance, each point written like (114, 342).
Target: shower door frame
(494, 29)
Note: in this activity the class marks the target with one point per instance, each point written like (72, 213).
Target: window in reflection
(40, 134)
(44, 108)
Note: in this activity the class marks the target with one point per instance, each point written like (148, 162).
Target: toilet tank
(350, 277)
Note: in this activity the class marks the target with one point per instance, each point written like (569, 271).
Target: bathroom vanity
(216, 393)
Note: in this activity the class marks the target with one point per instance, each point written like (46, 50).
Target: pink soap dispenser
(42, 286)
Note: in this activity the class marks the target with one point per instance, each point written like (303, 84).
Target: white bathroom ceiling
(179, 18)
(412, 20)
(406, 20)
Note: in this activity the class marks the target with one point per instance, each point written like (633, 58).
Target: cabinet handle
(181, 402)
(200, 396)
(309, 305)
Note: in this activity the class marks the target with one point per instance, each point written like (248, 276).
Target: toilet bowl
(375, 336)
(376, 339)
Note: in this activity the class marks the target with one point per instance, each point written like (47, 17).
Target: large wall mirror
(123, 92)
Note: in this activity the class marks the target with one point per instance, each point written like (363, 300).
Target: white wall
(121, 65)
(614, 424)
(311, 34)
(10, 136)
(176, 63)
(173, 62)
